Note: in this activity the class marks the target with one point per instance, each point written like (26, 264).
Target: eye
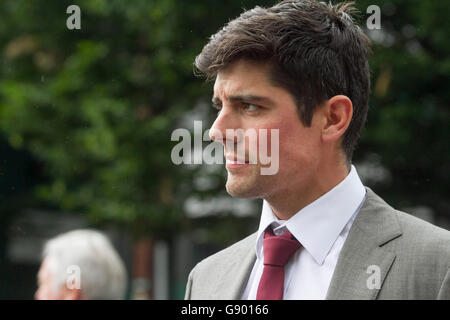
(250, 107)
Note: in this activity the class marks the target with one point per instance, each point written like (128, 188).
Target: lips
(230, 160)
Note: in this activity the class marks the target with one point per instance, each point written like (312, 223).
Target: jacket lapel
(363, 262)
(233, 280)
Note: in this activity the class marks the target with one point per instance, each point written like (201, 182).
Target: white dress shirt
(321, 228)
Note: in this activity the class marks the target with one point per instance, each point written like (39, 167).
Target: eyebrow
(245, 97)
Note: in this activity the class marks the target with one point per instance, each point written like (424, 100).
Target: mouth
(234, 163)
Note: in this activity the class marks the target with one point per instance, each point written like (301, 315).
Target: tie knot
(278, 249)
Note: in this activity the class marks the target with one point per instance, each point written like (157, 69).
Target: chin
(240, 188)
(237, 193)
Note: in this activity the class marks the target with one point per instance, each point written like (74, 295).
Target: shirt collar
(318, 225)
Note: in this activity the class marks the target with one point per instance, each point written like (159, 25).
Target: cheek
(298, 144)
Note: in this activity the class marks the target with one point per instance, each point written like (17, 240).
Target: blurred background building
(86, 117)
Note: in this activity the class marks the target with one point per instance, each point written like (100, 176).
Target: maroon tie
(277, 252)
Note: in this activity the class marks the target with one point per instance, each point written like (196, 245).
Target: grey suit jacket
(388, 254)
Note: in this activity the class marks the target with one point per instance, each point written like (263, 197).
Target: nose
(225, 120)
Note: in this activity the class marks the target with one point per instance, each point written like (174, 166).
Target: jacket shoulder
(427, 239)
(228, 253)
(205, 282)
(420, 269)
(414, 231)
(420, 243)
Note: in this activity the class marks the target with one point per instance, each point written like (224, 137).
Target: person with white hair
(81, 265)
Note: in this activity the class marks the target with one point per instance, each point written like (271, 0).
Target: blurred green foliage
(97, 106)
(409, 117)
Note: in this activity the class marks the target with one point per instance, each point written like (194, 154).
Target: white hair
(102, 272)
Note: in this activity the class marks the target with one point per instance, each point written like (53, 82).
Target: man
(81, 265)
(301, 67)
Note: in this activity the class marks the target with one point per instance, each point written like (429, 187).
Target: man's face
(47, 289)
(247, 100)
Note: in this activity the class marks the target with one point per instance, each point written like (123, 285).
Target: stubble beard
(247, 183)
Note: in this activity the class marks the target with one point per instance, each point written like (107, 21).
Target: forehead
(242, 76)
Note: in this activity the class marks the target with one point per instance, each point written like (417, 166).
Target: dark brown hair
(314, 50)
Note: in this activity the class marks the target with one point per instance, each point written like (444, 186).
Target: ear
(337, 112)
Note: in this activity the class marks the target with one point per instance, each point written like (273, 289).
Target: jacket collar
(319, 224)
(363, 263)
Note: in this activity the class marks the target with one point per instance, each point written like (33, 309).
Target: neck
(287, 202)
